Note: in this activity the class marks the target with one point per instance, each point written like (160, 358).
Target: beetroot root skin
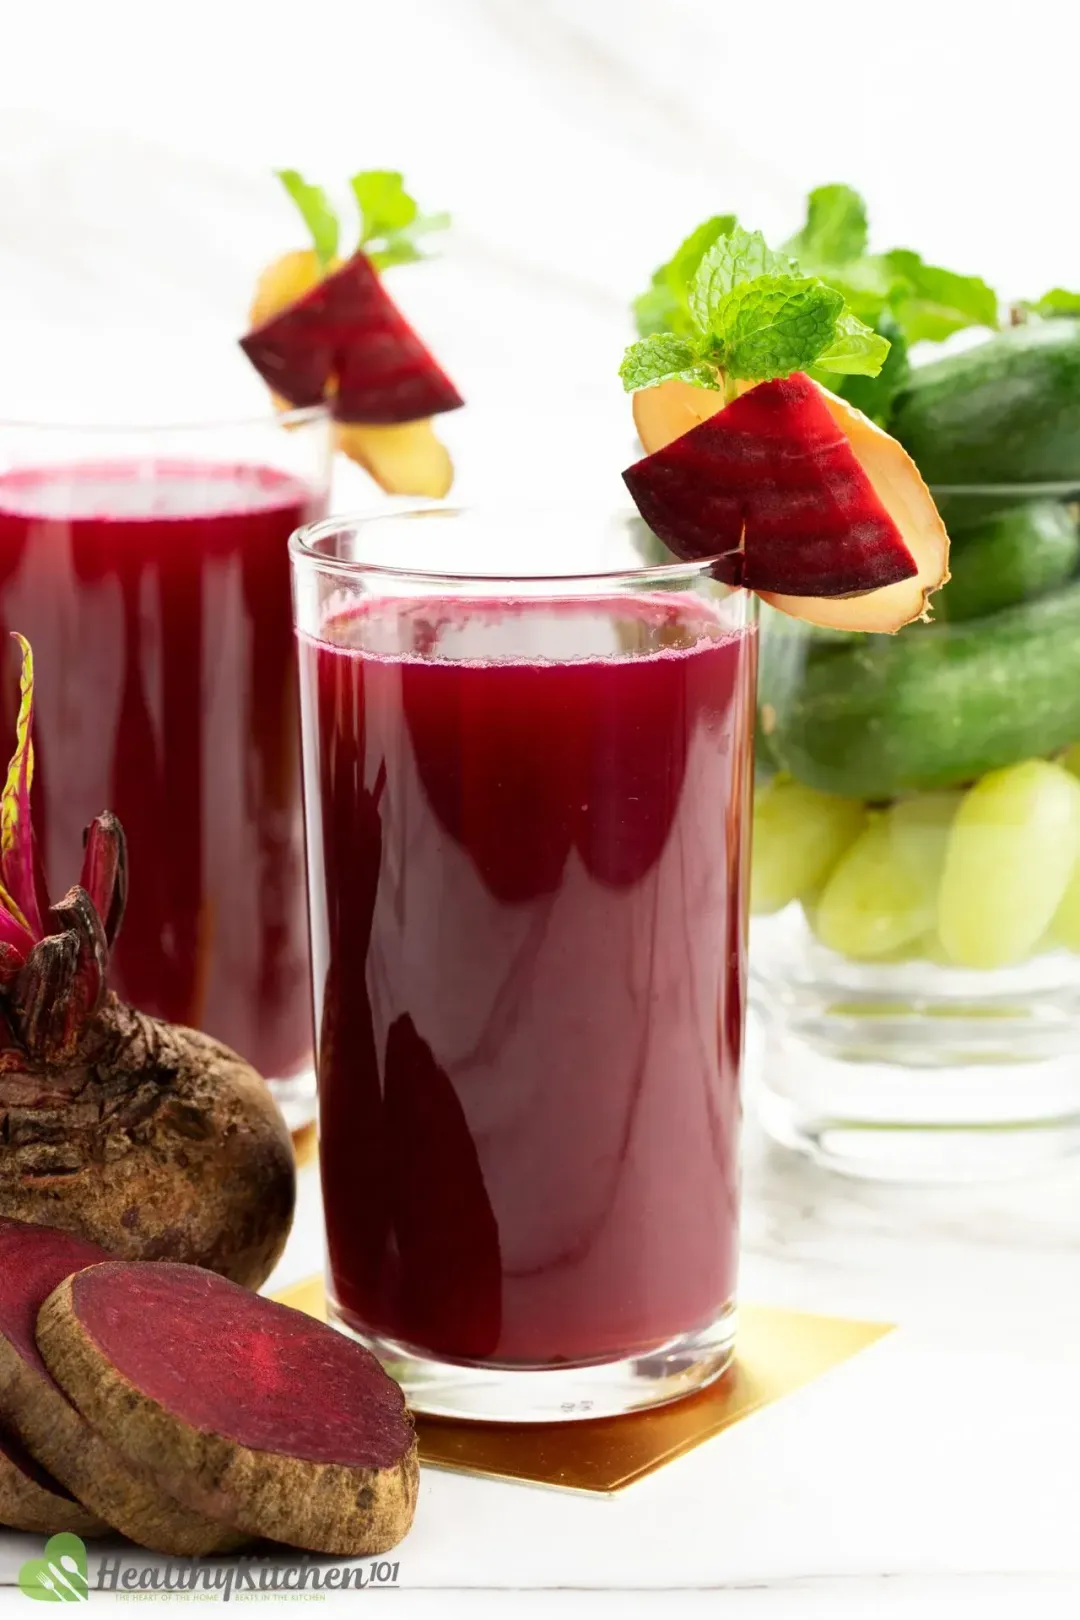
(183, 1371)
(130, 1498)
(156, 1142)
(35, 1410)
(33, 1502)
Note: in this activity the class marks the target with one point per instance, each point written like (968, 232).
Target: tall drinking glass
(149, 569)
(527, 765)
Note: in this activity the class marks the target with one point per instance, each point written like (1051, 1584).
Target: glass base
(296, 1098)
(566, 1394)
(883, 1121)
(912, 1071)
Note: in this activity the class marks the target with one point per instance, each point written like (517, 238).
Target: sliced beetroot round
(772, 487)
(33, 1260)
(246, 1408)
(31, 1500)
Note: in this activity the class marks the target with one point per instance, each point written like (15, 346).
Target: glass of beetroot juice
(149, 569)
(527, 764)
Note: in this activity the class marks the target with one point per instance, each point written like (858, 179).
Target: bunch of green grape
(982, 877)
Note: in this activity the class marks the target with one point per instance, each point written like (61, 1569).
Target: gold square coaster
(778, 1352)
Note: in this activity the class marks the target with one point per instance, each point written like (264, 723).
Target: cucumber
(1004, 412)
(935, 705)
(1013, 557)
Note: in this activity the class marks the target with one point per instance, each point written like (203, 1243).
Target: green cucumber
(1004, 412)
(935, 705)
(1013, 557)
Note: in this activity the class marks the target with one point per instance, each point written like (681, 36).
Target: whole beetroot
(152, 1140)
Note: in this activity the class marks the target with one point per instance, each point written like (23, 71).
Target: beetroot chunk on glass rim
(772, 486)
(245, 1408)
(347, 336)
(33, 1260)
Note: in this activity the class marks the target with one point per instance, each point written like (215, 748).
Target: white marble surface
(575, 141)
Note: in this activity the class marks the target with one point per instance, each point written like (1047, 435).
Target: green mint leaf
(317, 213)
(658, 308)
(663, 307)
(660, 357)
(868, 285)
(931, 303)
(738, 257)
(1058, 301)
(856, 349)
(390, 221)
(682, 267)
(385, 206)
(874, 395)
(835, 231)
(774, 325)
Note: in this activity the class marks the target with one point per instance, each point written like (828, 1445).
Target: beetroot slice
(348, 328)
(245, 1407)
(31, 1500)
(33, 1260)
(772, 486)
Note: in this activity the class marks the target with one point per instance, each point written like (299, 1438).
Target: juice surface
(526, 826)
(156, 598)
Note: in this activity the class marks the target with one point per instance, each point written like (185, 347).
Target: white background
(575, 142)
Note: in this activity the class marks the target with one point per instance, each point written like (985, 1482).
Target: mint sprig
(749, 313)
(1058, 301)
(391, 224)
(316, 211)
(663, 306)
(836, 229)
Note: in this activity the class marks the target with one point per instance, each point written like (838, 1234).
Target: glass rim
(1047, 489)
(295, 416)
(301, 549)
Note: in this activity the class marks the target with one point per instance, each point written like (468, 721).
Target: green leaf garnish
(391, 223)
(835, 231)
(663, 306)
(732, 261)
(749, 313)
(930, 303)
(773, 325)
(1058, 301)
(856, 348)
(660, 357)
(874, 395)
(316, 211)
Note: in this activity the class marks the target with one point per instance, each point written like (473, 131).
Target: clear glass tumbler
(148, 566)
(527, 765)
(916, 948)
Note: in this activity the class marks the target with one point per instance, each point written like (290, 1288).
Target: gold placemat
(778, 1352)
(305, 1143)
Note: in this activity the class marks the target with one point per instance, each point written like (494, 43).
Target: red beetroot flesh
(772, 487)
(349, 328)
(229, 1362)
(33, 1261)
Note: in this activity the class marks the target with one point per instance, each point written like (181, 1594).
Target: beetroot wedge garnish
(772, 486)
(33, 1261)
(347, 336)
(31, 1500)
(243, 1406)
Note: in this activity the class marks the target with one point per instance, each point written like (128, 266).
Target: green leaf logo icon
(59, 1577)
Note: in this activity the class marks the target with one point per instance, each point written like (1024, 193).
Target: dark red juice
(156, 599)
(526, 831)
